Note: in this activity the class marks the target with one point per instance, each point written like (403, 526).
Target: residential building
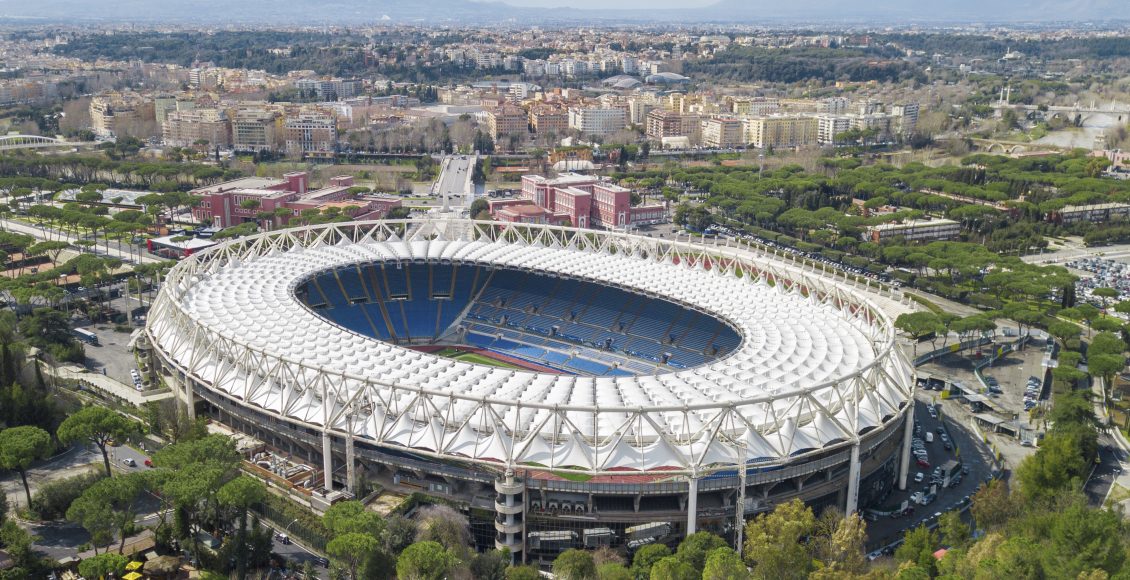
(781, 131)
(907, 117)
(599, 122)
(331, 89)
(829, 126)
(663, 124)
(255, 130)
(915, 231)
(117, 114)
(754, 107)
(549, 120)
(639, 107)
(722, 132)
(507, 121)
(310, 133)
(1094, 213)
(197, 127)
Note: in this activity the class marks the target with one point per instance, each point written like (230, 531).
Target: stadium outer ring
(889, 370)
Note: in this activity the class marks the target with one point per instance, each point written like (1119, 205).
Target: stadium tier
(690, 385)
(574, 326)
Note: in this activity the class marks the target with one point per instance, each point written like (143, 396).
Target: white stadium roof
(815, 366)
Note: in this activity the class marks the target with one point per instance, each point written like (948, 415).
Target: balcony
(508, 509)
(509, 488)
(511, 528)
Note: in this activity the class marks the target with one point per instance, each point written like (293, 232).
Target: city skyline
(510, 12)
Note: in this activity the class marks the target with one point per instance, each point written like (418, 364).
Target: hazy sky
(626, 4)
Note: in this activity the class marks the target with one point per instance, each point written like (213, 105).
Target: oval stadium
(566, 387)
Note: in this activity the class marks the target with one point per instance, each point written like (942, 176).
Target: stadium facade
(571, 387)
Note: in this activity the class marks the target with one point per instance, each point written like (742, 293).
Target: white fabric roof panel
(789, 341)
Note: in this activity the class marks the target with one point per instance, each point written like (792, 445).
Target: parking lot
(975, 467)
(111, 356)
(1013, 374)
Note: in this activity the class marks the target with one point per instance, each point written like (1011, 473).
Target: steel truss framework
(781, 428)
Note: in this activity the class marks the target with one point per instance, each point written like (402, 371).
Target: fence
(294, 526)
(951, 349)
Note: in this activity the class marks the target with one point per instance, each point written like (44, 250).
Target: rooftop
(241, 183)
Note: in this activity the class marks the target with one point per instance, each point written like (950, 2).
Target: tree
(574, 564)
(918, 548)
(22, 446)
(352, 548)
(991, 505)
(1052, 468)
(425, 561)
(1106, 294)
(192, 473)
(953, 530)
(98, 425)
(522, 573)
(1064, 330)
(695, 547)
(96, 517)
(490, 565)
(121, 494)
(613, 571)
(646, 557)
(351, 516)
(775, 542)
(1105, 366)
(672, 568)
(103, 565)
(724, 564)
(479, 206)
(919, 325)
(839, 544)
(444, 525)
(240, 494)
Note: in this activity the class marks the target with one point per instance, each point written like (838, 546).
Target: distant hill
(317, 12)
(919, 10)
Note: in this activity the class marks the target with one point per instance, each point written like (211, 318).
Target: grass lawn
(473, 358)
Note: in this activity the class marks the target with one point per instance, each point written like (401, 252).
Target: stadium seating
(571, 325)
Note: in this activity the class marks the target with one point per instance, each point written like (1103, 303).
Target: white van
(929, 437)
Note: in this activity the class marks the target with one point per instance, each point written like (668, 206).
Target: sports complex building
(569, 387)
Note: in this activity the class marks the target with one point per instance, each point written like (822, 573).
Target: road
(972, 453)
(1106, 472)
(109, 248)
(454, 184)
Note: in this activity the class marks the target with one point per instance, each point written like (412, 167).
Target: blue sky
(626, 4)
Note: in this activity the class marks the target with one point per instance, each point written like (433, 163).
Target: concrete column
(327, 460)
(350, 473)
(182, 388)
(692, 505)
(907, 437)
(852, 503)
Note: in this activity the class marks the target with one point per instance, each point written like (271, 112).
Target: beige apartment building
(187, 128)
(116, 114)
(507, 120)
(255, 130)
(310, 133)
(781, 131)
(549, 120)
(722, 132)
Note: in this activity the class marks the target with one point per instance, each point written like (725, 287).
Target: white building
(598, 122)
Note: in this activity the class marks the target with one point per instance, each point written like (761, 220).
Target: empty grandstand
(655, 383)
(575, 326)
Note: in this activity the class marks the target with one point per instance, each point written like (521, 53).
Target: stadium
(566, 387)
